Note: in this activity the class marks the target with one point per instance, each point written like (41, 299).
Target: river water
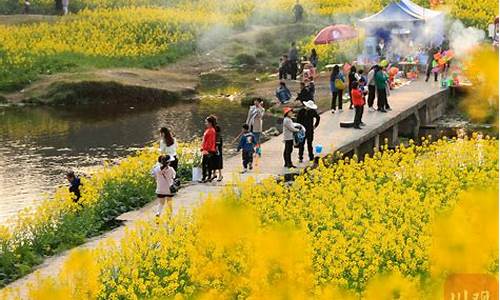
(38, 144)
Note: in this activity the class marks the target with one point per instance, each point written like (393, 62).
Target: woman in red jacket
(358, 101)
(208, 148)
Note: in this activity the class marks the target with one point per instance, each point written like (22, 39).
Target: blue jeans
(257, 137)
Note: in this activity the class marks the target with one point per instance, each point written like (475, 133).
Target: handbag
(174, 188)
(339, 84)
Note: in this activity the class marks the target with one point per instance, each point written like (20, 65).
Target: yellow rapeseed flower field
(391, 225)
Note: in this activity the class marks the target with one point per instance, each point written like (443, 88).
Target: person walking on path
(371, 86)
(164, 175)
(218, 159)
(208, 148)
(288, 130)
(168, 146)
(309, 118)
(293, 56)
(381, 85)
(298, 12)
(358, 102)
(283, 93)
(74, 185)
(254, 119)
(337, 85)
(247, 145)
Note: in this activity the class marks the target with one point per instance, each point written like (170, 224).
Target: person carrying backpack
(309, 118)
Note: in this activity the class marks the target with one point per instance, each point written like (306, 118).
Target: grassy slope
(237, 60)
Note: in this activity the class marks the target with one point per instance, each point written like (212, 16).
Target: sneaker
(340, 110)
(382, 110)
(244, 171)
(333, 111)
(372, 109)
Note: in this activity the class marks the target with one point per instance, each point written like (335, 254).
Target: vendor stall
(400, 29)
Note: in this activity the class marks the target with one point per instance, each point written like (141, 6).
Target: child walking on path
(358, 101)
(247, 145)
(164, 175)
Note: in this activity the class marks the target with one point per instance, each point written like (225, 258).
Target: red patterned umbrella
(334, 33)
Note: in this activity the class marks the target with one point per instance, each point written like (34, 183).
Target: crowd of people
(299, 123)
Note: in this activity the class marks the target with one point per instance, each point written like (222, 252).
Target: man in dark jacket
(309, 118)
(305, 93)
(293, 56)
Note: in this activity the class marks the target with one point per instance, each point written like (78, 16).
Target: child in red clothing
(358, 101)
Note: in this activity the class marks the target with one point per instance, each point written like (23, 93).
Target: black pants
(247, 157)
(283, 73)
(293, 69)
(287, 154)
(358, 115)
(428, 74)
(309, 140)
(206, 166)
(381, 99)
(371, 95)
(350, 96)
(335, 95)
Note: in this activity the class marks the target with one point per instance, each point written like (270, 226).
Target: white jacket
(288, 129)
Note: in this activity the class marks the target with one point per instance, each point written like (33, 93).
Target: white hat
(310, 104)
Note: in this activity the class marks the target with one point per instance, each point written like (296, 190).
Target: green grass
(15, 78)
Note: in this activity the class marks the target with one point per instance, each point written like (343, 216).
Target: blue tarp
(403, 11)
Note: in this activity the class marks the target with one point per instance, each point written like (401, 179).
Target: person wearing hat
(288, 130)
(309, 118)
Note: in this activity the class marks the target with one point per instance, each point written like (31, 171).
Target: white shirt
(370, 77)
(169, 150)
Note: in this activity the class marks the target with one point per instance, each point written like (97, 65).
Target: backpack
(339, 84)
(299, 137)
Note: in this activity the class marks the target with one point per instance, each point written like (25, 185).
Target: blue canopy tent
(401, 12)
(404, 18)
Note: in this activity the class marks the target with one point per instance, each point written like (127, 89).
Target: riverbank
(239, 61)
